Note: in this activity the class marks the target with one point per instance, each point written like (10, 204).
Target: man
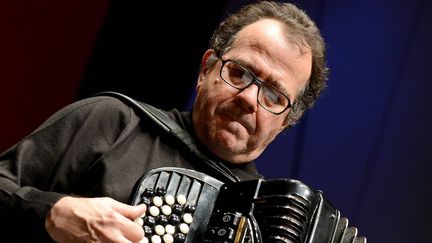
(71, 179)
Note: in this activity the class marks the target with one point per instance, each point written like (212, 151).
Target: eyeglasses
(239, 77)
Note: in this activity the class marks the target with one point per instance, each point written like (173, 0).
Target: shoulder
(100, 109)
(102, 103)
(183, 118)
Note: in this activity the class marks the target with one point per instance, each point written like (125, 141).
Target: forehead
(274, 34)
(266, 44)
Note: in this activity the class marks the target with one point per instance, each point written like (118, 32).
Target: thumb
(129, 211)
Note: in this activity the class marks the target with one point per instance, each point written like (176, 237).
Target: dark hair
(299, 27)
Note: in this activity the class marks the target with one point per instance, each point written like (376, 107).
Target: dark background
(367, 144)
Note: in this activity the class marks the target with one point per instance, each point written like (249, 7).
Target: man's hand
(74, 219)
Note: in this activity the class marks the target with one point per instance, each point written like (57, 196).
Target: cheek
(268, 127)
(211, 93)
(206, 100)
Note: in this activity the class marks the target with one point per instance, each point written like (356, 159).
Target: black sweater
(95, 147)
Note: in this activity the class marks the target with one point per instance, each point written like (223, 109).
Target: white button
(159, 229)
(168, 238)
(144, 240)
(184, 228)
(187, 218)
(169, 199)
(157, 201)
(156, 239)
(181, 199)
(166, 210)
(169, 229)
(154, 211)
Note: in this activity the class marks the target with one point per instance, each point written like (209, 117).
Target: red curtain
(44, 48)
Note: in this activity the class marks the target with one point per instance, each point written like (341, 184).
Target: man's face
(230, 122)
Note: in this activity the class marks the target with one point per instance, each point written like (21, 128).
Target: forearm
(24, 211)
(24, 196)
(47, 165)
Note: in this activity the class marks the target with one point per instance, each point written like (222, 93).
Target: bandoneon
(188, 206)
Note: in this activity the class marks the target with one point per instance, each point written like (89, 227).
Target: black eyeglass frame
(258, 82)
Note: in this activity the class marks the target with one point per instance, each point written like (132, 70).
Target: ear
(286, 123)
(291, 120)
(204, 67)
(204, 61)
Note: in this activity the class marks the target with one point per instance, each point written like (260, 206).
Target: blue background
(367, 144)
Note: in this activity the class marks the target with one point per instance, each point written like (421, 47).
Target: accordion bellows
(188, 206)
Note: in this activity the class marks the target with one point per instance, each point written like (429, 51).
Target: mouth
(243, 119)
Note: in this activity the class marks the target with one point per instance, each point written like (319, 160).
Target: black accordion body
(188, 206)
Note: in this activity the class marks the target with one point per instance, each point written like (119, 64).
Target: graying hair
(300, 28)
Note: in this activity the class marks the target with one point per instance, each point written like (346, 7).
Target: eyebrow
(275, 83)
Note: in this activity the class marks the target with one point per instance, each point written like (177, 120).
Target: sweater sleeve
(44, 166)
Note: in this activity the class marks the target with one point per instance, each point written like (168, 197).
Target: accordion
(188, 206)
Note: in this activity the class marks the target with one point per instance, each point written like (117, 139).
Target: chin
(230, 146)
(233, 153)
(239, 158)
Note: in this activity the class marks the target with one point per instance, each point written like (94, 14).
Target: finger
(123, 239)
(144, 240)
(131, 230)
(129, 211)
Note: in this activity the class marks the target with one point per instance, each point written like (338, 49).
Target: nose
(247, 98)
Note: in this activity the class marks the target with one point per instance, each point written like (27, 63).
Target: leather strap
(171, 127)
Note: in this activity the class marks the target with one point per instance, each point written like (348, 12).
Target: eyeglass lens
(240, 78)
